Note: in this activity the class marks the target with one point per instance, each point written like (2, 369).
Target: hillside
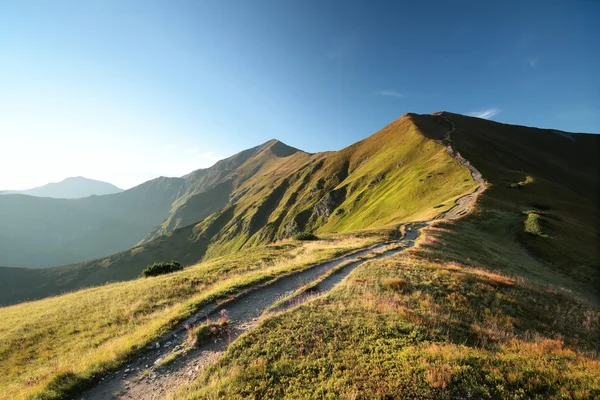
(499, 301)
(41, 232)
(69, 188)
(396, 175)
(502, 303)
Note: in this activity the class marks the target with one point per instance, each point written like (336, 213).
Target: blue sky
(125, 91)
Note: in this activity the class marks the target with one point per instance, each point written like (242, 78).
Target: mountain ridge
(69, 188)
(400, 174)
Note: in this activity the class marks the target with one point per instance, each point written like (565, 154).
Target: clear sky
(124, 91)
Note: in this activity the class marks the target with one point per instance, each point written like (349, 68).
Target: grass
(56, 346)
(480, 308)
(395, 176)
(521, 184)
(407, 327)
(533, 224)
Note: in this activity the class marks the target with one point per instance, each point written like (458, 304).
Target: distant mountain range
(69, 188)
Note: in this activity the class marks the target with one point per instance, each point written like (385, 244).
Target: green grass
(521, 184)
(58, 345)
(448, 331)
(481, 308)
(533, 224)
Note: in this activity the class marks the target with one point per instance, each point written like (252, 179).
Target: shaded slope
(208, 190)
(555, 175)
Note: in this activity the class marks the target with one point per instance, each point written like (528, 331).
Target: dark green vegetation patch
(162, 268)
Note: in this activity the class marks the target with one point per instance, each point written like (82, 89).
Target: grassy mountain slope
(49, 347)
(489, 306)
(396, 175)
(41, 232)
(533, 172)
(70, 188)
(478, 309)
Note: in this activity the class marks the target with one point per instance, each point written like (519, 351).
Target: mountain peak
(278, 148)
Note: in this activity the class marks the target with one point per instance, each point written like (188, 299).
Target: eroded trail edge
(147, 378)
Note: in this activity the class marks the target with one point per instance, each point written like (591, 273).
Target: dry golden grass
(52, 346)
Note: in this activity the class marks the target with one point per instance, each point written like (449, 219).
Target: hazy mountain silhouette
(69, 188)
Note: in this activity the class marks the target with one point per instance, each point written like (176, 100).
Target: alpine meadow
(261, 199)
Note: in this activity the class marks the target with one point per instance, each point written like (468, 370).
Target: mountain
(271, 192)
(41, 232)
(69, 188)
(482, 306)
(400, 174)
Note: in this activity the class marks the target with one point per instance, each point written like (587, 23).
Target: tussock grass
(454, 331)
(58, 345)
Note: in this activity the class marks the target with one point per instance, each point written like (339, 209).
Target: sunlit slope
(396, 175)
(49, 347)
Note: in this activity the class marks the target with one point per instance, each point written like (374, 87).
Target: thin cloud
(485, 114)
(390, 93)
(191, 151)
(171, 147)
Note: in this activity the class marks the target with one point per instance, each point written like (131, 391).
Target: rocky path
(147, 378)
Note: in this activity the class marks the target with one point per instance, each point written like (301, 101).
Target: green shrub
(305, 236)
(162, 268)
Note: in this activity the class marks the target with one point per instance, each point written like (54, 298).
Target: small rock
(158, 360)
(168, 344)
(127, 370)
(147, 366)
(157, 345)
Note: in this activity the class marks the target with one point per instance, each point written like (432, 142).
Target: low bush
(162, 268)
(305, 236)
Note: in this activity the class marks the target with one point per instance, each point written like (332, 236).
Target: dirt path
(146, 378)
(465, 203)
